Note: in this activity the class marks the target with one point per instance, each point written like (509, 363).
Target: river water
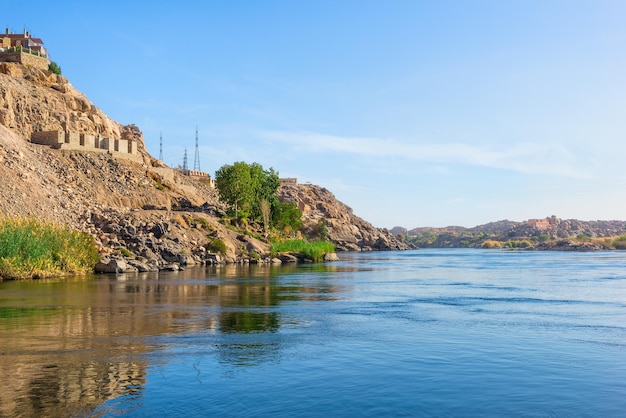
(416, 333)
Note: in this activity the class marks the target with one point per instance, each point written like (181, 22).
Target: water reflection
(69, 345)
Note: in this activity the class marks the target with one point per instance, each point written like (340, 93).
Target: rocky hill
(144, 215)
(551, 232)
(346, 230)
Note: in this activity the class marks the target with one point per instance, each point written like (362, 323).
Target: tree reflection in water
(70, 344)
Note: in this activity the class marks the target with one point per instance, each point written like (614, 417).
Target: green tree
(54, 67)
(265, 185)
(235, 187)
(244, 186)
(251, 192)
(288, 217)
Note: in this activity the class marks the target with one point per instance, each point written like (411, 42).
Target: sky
(413, 113)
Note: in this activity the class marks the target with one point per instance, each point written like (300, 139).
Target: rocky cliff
(36, 100)
(349, 232)
(143, 215)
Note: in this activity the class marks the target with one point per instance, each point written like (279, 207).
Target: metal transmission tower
(196, 160)
(161, 146)
(185, 167)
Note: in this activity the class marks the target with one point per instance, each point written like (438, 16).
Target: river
(417, 333)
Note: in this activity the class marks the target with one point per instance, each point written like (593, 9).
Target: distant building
(288, 180)
(23, 48)
(540, 224)
(23, 41)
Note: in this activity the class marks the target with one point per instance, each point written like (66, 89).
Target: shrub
(31, 248)
(126, 253)
(216, 246)
(491, 244)
(54, 68)
(201, 222)
(583, 237)
(177, 219)
(620, 242)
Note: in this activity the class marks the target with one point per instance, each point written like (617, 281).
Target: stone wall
(50, 138)
(200, 175)
(122, 148)
(26, 59)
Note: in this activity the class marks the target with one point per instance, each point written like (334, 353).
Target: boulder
(331, 257)
(113, 265)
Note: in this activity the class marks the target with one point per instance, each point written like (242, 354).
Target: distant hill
(548, 233)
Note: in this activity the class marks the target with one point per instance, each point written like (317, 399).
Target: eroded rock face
(33, 100)
(344, 228)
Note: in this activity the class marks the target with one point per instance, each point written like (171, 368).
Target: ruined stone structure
(201, 175)
(288, 180)
(121, 148)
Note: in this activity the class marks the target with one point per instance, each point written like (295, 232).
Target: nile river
(419, 333)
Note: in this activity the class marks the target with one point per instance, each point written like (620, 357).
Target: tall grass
(313, 250)
(31, 248)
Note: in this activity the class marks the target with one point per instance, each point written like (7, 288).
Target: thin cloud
(526, 157)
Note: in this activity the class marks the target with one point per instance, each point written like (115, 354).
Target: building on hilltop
(23, 48)
(540, 224)
(288, 181)
(23, 41)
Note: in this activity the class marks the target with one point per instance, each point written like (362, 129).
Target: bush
(620, 243)
(313, 250)
(54, 68)
(488, 243)
(126, 253)
(180, 221)
(216, 246)
(31, 248)
(200, 222)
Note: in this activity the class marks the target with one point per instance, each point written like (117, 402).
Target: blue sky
(414, 113)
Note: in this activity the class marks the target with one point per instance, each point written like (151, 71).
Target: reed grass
(32, 248)
(313, 250)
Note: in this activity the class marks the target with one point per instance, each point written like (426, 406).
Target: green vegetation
(126, 253)
(521, 243)
(287, 217)
(250, 191)
(243, 186)
(313, 250)
(54, 67)
(322, 229)
(216, 246)
(620, 242)
(197, 221)
(30, 248)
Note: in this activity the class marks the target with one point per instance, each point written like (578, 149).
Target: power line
(185, 167)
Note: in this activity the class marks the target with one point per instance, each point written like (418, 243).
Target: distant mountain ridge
(534, 232)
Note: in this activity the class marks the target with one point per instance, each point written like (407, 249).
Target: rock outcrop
(349, 232)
